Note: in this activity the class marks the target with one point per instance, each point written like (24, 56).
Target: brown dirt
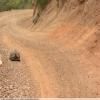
(60, 55)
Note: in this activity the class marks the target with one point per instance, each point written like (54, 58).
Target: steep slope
(74, 23)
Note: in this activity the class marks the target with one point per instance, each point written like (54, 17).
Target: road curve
(57, 72)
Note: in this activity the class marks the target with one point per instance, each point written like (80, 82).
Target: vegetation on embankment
(15, 4)
(42, 3)
(38, 6)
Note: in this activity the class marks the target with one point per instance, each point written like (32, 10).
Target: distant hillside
(14, 4)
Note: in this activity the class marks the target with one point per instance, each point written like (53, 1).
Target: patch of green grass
(14, 4)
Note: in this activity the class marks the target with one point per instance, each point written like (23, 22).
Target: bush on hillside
(39, 6)
(42, 3)
(14, 4)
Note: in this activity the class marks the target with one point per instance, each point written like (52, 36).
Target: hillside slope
(74, 24)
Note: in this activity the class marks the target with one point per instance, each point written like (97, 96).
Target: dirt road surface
(47, 69)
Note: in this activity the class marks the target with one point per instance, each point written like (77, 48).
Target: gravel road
(46, 69)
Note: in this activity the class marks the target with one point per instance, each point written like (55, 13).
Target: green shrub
(42, 3)
(14, 4)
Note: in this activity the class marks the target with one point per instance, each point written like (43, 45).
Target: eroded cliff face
(74, 18)
(85, 11)
(72, 22)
